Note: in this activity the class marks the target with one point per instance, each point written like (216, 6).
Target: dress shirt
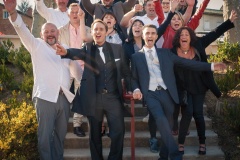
(75, 37)
(102, 54)
(50, 71)
(51, 15)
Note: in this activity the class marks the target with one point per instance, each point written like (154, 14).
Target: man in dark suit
(101, 89)
(153, 78)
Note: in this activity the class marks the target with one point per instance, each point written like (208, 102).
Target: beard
(52, 41)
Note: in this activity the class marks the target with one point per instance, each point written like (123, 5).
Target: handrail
(127, 96)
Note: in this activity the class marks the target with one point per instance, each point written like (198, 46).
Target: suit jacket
(119, 9)
(200, 45)
(64, 35)
(167, 60)
(88, 90)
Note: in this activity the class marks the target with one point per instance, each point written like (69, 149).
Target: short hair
(72, 5)
(176, 38)
(130, 35)
(150, 26)
(99, 21)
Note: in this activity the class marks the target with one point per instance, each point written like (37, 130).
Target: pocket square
(117, 59)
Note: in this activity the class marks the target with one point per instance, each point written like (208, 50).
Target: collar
(145, 49)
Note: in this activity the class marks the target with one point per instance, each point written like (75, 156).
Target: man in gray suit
(153, 78)
(119, 9)
(101, 89)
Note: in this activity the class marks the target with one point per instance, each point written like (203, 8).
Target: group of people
(152, 47)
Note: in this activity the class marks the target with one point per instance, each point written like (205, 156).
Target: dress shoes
(79, 132)
(153, 143)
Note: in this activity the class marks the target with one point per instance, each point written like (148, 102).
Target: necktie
(150, 54)
(101, 53)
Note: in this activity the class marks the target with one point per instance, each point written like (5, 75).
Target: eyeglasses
(137, 25)
(165, 3)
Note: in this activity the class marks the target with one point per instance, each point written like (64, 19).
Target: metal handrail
(127, 96)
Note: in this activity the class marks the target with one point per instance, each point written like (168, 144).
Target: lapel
(160, 59)
(143, 60)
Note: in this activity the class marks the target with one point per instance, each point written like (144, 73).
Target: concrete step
(139, 124)
(141, 140)
(142, 111)
(143, 153)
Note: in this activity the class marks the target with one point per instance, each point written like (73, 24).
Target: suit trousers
(110, 105)
(161, 106)
(52, 126)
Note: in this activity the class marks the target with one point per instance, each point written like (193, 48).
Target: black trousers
(110, 105)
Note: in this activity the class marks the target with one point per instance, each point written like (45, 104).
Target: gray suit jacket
(167, 60)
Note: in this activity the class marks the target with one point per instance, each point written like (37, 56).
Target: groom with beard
(51, 95)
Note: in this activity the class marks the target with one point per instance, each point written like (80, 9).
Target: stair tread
(145, 152)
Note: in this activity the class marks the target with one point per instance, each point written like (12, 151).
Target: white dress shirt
(51, 15)
(51, 73)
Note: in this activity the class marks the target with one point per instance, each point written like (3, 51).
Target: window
(5, 14)
(206, 26)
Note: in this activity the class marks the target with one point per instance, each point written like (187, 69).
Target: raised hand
(60, 50)
(173, 4)
(190, 2)
(81, 14)
(219, 66)
(137, 8)
(233, 16)
(10, 5)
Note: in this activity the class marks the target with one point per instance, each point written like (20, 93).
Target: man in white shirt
(57, 16)
(51, 95)
(73, 35)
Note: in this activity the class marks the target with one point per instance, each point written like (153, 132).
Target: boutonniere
(155, 61)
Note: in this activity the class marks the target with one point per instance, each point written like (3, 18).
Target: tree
(24, 6)
(233, 35)
(38, 21)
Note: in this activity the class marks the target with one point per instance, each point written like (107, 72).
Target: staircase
(77, 148)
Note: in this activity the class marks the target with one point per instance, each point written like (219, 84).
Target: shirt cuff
(212, 66)
(136, 90)
(18, 22)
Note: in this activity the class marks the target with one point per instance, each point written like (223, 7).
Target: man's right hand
(137, 94)
(60, 50)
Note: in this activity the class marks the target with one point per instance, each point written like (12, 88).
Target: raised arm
(187, 15)
(84, 31)
(28, 40)
(194, 22)
(127, 5)
(71, 53)
(88, 6)
(130, 14)
(42, 9)
(159, 11)
(221, 29)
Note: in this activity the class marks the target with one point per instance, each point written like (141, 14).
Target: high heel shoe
(202, 150)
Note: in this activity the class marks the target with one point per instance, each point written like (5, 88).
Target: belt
(159, 88)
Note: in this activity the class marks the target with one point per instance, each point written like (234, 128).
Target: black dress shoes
(79, 132)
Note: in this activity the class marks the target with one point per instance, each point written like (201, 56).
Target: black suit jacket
(167, 60)
(200, 45)
(87, 97)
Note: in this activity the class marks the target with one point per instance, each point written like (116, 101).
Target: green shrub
(18, 129)
(6, 76)
(5, 48)
(231, 115)
(27, 84)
